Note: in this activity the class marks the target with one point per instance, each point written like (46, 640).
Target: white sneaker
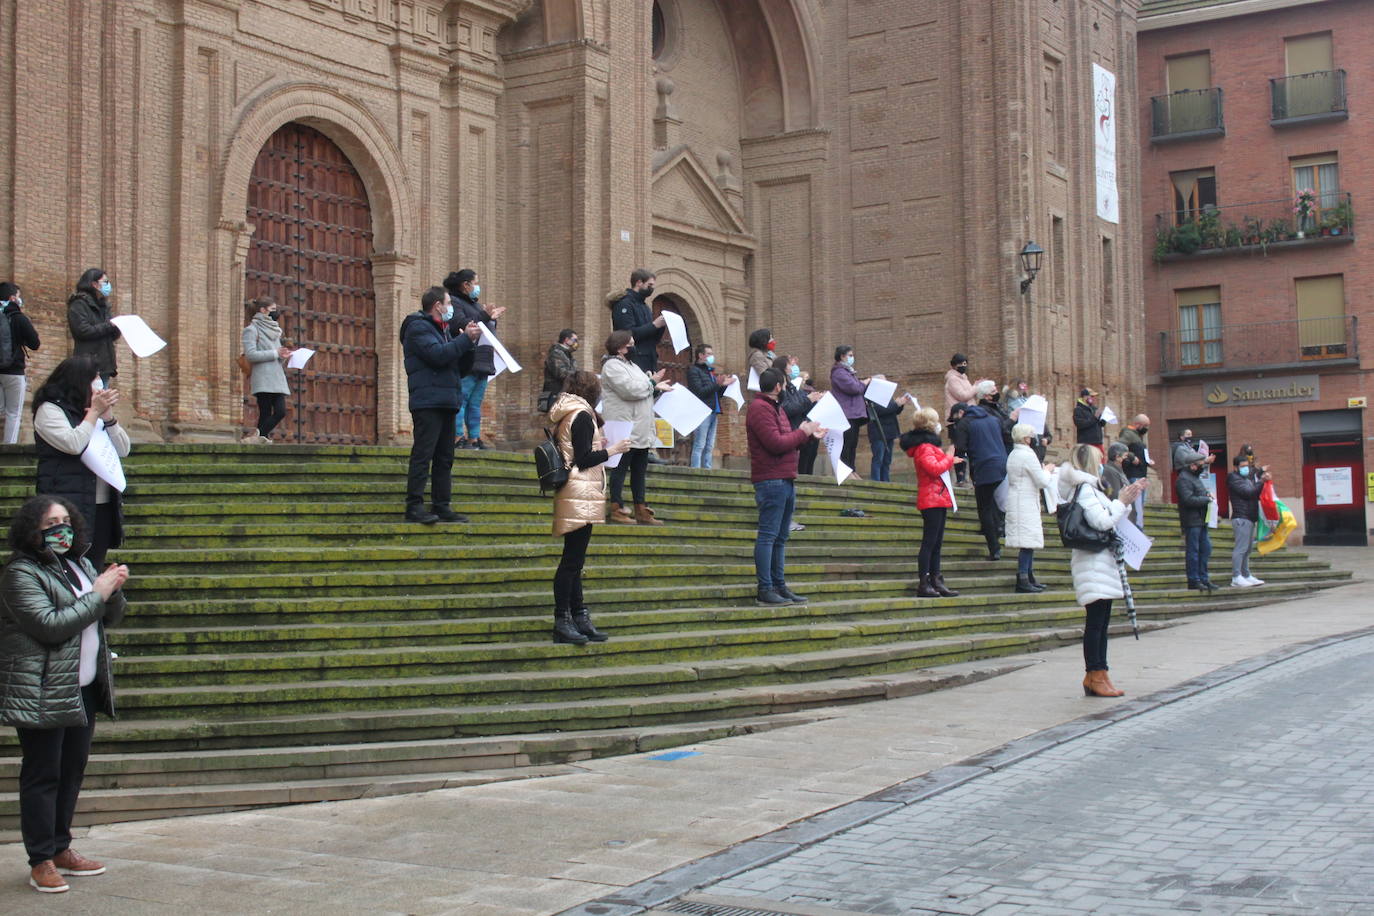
(1239, 582)
(1253, 580)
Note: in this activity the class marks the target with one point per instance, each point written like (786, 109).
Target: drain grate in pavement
(717, 909)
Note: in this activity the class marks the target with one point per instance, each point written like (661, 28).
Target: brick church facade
(841, 171)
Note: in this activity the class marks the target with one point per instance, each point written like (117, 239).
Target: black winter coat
(465, 311)
(431, 361)
(24, 337)
(1245, 493)
(60, 474)
(796, 404)
(95, 334)
(1089, 424)
(701, 381)
(886, 418)
(631, 313)
(1193, 499)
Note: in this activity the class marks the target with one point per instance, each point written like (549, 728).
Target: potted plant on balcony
(1254, 228)
(1187, 238)
(1304, 207)
(1341, 217)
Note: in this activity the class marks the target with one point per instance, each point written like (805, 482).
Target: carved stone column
(392, 278)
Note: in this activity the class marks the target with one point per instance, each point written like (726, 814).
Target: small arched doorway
(311, 251)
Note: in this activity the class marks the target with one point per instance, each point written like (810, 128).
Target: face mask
(476, 290)
(106, 288)
(849, 360)
(794, 371)
(19, 301)
(938, 429)
(711, 360)
(59, 538)
(772, 345)
(572, 345)
(1143, 430)
(962, 370)
(1245, 471)
(448, 312)
(274, 314)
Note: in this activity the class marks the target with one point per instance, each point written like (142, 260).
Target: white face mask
(938, 428)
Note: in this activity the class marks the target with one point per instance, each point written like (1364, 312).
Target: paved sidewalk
(538, 846)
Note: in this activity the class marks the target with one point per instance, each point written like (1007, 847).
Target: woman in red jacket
(933, 498)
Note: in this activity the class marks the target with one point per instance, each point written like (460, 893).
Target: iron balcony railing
(1255, 226)
(1267, 344)
(1186, 115)
(1308, 97)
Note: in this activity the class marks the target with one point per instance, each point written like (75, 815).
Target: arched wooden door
(312, 252)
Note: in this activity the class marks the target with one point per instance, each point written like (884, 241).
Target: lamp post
(1030, 264)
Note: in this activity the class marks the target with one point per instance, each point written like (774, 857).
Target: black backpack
(549, 465)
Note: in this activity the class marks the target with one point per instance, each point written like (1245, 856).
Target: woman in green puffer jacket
(54, 674)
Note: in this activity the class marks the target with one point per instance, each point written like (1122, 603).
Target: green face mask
(59, 538)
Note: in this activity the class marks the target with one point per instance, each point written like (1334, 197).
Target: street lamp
(1030, 264)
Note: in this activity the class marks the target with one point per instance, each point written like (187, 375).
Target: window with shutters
(1311, 89)
(1321, 315)
(1199, 327)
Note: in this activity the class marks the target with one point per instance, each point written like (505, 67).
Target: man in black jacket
(431, 364)
(631, 312)
(1244, 485)
(1194, 500)
(558, 365)
(22, 337)
(703, 382)
(1087, 418)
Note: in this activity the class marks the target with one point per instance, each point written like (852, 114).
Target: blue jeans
(1198, 552)
(881, 446)
(704, 442)
(471, 390)
(776, 499)
(1024, 560)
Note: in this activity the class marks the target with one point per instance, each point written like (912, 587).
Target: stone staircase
(290, 638)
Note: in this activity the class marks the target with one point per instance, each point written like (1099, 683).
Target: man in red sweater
(773, 450)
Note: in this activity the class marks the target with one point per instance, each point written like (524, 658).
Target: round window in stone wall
(660, 31)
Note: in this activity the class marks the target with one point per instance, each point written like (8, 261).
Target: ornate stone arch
(368, 145)
(706, 306)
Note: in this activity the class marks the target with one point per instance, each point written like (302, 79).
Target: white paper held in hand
(682, 409)
(299, 357)
(1035, 419)
(614, 431)
(1135, 544)
(914, 402)
(828, 412)
(136, 333)
(754, 379)
(503, 359)
(677, 330)
(734, 394)
(1109, 415)
(949, 488)
(880, 391)
(102, 459)
(834, 443)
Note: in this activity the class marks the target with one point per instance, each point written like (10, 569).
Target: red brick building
(1255, 156)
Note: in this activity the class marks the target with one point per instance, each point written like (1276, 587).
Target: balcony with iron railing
(1305, 343)
(1191, 114)
(1260, 227)
(1308, 98)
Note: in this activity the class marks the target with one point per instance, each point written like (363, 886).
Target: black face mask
(1143, 430)
(274, 314)
(962, 370)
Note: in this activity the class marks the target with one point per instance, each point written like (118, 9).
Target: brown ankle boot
(1105, 684)
(644, 515)
(1096, 684)
(619, 515)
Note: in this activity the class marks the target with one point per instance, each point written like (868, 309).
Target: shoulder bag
(1074, 530)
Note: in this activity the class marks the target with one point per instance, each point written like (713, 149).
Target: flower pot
(1301, 234)
(1336, 230)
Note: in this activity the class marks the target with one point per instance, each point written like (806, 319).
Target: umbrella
(1120, 550)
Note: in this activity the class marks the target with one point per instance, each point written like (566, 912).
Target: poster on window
(1334, 486)
(1104, 133)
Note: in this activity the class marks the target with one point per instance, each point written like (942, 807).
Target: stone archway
(367, 143)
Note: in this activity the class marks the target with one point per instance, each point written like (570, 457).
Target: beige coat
(582, 500)
(627, 393)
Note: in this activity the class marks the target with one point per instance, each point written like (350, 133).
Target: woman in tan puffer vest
(579, 503)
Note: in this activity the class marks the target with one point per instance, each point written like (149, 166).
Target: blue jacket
(431, 361)
(987, 451)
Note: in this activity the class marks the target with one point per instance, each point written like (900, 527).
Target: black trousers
(806, 458)
(271, 411)
(636, 461)
(851, 440)
(567, 581)
(102, 535)
(989, 516)
(431, 456)
(54, 763)
(1095, 635)
(932, 539)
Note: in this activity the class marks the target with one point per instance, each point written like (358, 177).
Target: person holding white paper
(580, 503)
(1087, 419)
(703, 382)
(933, 498)
(627, 393)
(88, 319)
(762, 351)
(884, 426)
(631, 312)
(263, 350)
(1026, 477)
(797, 398)
(478, 364)
(67, 410)
(848, 388)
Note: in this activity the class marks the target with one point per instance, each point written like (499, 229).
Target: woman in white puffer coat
(1025, 479)
(1096, 575)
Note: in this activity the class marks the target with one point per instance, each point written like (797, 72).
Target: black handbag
(483, 360)
(1074, 530)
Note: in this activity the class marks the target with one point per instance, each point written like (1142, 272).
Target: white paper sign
(299, 358)
(1204, 450)
(1212, 514)
(1104, 133)
(1035, 419)
(949, 488)
(677, 329)
(754, 379)
(503, 359)
(1333, 486)
(102, 459)
(834, 444)
(734, 394)
(138, 335)
(1135, 544)
(1109, 415)
(828, 412)
(880, 391)
(614, 431)
(914, 403)
(682, 409)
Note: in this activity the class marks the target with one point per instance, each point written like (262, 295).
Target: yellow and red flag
(1276, 521)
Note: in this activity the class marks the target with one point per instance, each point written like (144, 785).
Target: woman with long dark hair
(263, 349)
(88, 318)
(580, 503)
(67, 412)
(54, 675)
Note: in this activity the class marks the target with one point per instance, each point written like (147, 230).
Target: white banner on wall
(1104, 134)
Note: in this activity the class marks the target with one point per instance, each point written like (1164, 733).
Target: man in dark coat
(1087, 419)
(987, 456)
(431, 363)
(559, 363)
(631, 312)
(1194, 500)
(1244, 485)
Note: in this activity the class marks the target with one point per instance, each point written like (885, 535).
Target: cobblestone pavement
(1255, 797)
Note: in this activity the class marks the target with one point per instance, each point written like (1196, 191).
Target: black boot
(1024, 586)
(937, 582)
(564, 631)
(782, 589)
(924, 588)
(582, 620)
(1036, 585)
